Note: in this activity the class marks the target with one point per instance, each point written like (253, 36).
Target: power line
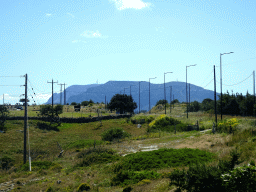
(240, 81)
(13, 76)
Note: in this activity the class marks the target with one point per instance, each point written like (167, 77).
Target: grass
(98, 172)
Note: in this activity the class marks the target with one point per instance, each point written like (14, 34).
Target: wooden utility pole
(64, 94)
(215, 102)
(105, 102)
(25, 122)
(170, 99)
(52, 94)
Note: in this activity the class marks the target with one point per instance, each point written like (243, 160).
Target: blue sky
(79, 42)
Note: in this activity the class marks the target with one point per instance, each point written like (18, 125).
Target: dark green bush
(83, 187)
(131, 177)
(200, 177)
(6, 162)
(113, 134)
(167, 124)
(162, 158)
(48, 127)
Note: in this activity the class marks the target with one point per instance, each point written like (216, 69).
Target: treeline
(235, 104)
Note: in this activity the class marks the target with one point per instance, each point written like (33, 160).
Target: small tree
(175, 101)
(122, 103)
(3, 115)
(74, 103)
(51, 113)
(23, 101)
(161, 102)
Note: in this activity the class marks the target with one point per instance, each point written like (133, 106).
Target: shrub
(164, 123)
(240, 179)
(200, 177)
(37, 165)
(96, 155)
(48, 127)
(162, 158)
(83, 187)
(115, 133)
(131, 177)
(227, 126)
(6, 162)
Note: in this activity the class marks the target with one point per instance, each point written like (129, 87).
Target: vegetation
(114, 134)
(158, 160)
(161, 102)
(164, 123)
(3, 115)
(162, 158)
(122, 104)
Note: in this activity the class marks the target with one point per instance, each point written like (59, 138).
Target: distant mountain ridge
(97, 92)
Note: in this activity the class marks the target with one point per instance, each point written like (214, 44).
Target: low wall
(73, 120)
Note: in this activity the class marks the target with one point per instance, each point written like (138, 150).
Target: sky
(84, 42)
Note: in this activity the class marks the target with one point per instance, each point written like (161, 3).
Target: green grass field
(98, 167)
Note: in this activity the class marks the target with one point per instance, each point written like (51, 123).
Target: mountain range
(98, 92)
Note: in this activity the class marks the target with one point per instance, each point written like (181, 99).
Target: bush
(162, 158)
(37, 165)
(200, 177)
(83, 187)
(115, 133)
(48, 127)
(97, 155)
(227, 126)
(6, 162)
(164, 123)
(131, 177)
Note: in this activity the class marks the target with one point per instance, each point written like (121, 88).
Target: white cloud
(71, 15)
(92, 34)
(130, 4)
(48, 14)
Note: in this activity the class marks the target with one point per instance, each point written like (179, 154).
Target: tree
(23, 101)
(175, 101)
(48, 111)
(194, 106)
(85, 103)
(207, 104)
(162, 102)
(74, 103)
(122, 103)
(3, 115)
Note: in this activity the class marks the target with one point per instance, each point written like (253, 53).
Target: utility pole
(60, 93)
(221, 84)
(105, 102)
(189, 93)
(149, 108)
(173, 100)
(254, 86)
(170, 98)
(254, 90)
(165, 93)
(3, 99)
(139, 97)
(215, 102)
(25, 121)
(64, 94)
(52, 94)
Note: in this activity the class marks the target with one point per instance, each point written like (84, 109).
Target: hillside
(97, 92)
